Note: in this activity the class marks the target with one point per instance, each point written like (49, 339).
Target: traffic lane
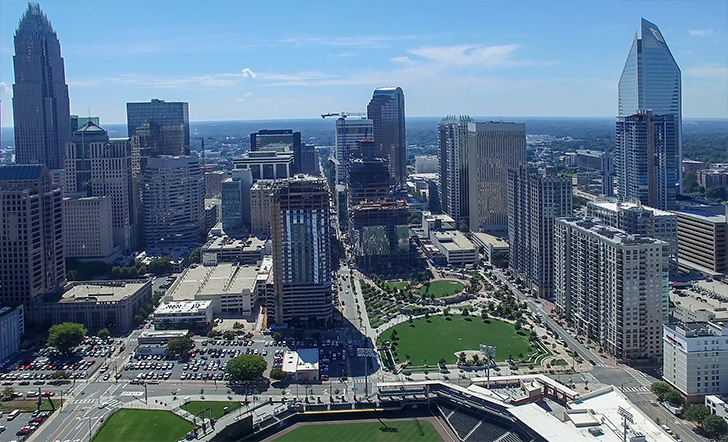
(655, 411)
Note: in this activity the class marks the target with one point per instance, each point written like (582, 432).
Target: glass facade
(386, 110)
(163, 127)
(41, 106)
(651, 81)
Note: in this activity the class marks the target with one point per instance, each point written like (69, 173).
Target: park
(441, 288)
(427, 340)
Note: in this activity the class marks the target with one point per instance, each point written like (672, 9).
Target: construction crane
(344, 114)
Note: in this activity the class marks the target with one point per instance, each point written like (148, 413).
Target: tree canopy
(696, 413)
(178, 347)
(714, 425)
(246, 367)
(278, 374)
(66, 336)
(103, 333)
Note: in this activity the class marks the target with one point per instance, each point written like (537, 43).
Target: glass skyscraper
(386, 110)
(41, 106)
(651, 81)
(163, 127)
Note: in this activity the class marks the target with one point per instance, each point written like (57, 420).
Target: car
(48, 394)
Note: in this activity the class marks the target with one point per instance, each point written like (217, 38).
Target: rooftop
(614, 206)
(182, 307)
(101, 293)
(214, 280)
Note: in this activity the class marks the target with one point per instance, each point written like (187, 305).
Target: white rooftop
(182, 307)
(101, 293)
(221, 279)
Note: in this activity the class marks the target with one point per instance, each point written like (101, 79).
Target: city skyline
(262, 60)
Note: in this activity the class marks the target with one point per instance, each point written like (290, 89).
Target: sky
(247, 60)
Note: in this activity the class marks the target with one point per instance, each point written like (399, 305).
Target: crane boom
(344, 114)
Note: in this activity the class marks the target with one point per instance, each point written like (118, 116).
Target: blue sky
(235, 60)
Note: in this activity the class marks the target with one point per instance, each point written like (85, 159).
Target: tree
(696, 413)
(714, 425)
(246, 367)
(717, 194)
(465, 312)
(674, 398)
(66, 336)
(278, 374)
(446, 311)
(442, 362)
(229, 335)
(103, 333)
(484, 315)
(277, 336)
(7, 393)
(461, 358)
(194, 255)
(661, 389)
(178, 347)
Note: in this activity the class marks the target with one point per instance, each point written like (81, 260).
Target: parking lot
(46, 365)
(209, 358)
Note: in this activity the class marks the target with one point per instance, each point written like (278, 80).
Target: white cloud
(708, 72)
(4, 88)
(404, 61)
(248, 95)
(469, 55)
(179, 82)
(247, 73)
(703, 32)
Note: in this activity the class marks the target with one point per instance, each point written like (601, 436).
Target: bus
(13, 414)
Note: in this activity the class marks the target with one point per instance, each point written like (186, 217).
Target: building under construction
(379, 233)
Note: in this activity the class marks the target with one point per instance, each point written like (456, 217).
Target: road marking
(64, 428)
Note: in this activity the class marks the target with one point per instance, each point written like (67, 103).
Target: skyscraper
(535, 199)
(31, 234)
(301, 234)
(612, 286)
(41, 106)
(452, 135)
(348, 134)
(163, 127)
(646, 170)
(173, 196)
(386, 110)
(651, 81)
(96, 166)
(493, 148)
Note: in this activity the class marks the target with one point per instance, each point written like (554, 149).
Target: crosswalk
(109, 403)
(635, 388)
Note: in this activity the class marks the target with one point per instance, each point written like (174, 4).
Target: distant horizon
(475, 118)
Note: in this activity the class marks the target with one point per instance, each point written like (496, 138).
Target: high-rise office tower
(97, 165)
(646, 170)
(261, 201)
(31, 234)
(386, 110)
(236, 202)
(535, 199)
(163, 127)
(493, 148)
(88, 229)
(173, 199)
(612, 286)
(286, 141)
(348, 134)
(41, 108)
(651, 80)
(301, 234)
(452, 135)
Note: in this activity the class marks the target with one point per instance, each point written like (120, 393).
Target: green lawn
(441, 338)
(195, 407)
(406, 430)
(143, 425)
(397, 285)
(442, 288)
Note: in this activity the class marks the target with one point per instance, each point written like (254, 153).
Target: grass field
(442, 288)
(143, 426)
(441, 338)
(397, 284)
(406, 430)
(195, 407)
(29, 404)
